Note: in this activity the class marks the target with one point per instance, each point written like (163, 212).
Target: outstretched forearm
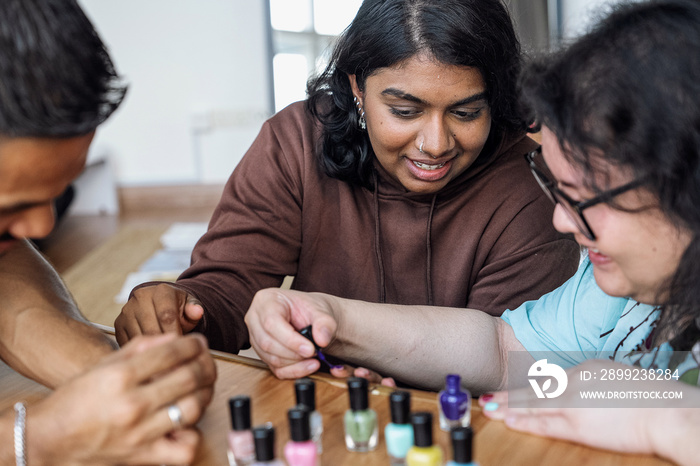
(42, 333)
(421, 344)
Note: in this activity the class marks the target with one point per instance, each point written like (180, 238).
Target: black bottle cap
(264, 438)
(305, 390)
(357, 390)
(299, 426)
(422, 429)
(462, 444)
(400, 403)
(239, 407)
(308, 334)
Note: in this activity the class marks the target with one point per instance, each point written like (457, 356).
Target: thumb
(193, 313)
(324, 328)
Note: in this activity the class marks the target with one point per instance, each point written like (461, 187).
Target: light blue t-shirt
(578, 321)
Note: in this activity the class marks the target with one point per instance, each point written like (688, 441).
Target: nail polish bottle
(454, 404)
(307, 332)
(300, 450)
(461, 447)
(265, 446)
(241, 448)
(361, 432)
(305, 390)
(423, 452)
(398, 434)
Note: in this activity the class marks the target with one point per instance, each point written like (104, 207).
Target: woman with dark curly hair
(399, 180)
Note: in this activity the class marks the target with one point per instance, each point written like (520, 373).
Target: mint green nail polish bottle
(361, 433)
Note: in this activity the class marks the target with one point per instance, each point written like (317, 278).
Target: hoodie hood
(389, 188)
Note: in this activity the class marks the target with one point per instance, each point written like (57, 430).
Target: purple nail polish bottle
(454, 404)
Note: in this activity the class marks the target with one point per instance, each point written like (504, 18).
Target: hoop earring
(361, 122)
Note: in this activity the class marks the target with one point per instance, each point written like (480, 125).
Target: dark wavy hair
(474, 33)
(56, 77)
(630, 90)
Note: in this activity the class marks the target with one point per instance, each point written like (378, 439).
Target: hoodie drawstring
(378, 247)
(377, 241)
(428, 278)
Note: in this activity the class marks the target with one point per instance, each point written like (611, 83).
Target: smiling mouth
(425, 166)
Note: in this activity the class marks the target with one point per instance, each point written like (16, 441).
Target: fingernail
(491, 406)
(307, 350)
(326, 334)
(311, 366)
(486, 396)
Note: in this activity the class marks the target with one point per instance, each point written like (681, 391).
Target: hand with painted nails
(137, 406)
(669, 432)
(156, 309)
(346, 371)
(274, 320)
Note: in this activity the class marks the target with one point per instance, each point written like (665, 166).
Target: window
(302, 35)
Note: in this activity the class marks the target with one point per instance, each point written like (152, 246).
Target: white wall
(198, 74)
(199, 83)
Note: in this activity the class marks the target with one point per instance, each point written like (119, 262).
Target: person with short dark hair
(399, 180)
(132, 406)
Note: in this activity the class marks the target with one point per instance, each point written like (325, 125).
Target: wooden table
(494, 443)
(99, 277)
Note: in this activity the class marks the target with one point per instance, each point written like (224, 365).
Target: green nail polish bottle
(361, 433)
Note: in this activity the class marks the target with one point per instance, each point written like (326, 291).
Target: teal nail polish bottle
(461, 447)
(398, 434)
(361, 433)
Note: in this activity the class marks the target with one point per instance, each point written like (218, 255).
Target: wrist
(40, 435)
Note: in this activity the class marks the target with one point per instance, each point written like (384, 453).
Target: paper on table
(167, 260)
(168, 263)
(183, 235)
(136, 278)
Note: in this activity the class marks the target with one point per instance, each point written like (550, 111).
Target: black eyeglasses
(573, 209)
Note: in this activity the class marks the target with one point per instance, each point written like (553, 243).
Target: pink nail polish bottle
(300, 450)
(241, 447)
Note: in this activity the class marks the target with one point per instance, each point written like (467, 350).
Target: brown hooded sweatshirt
(485, 241)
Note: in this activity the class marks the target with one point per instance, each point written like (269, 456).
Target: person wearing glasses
(399, 180)
(620, 158)
(573, 208)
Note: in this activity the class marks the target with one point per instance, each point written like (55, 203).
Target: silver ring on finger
(175, 415)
